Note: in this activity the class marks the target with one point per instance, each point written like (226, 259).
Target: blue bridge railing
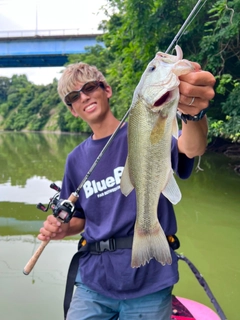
(46, 33)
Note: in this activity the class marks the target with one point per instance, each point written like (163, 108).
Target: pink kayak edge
(198, 310)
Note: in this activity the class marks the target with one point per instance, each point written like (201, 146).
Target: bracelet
(188, 117)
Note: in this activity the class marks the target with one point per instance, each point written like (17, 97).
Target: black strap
(71, 277)
(111, 244)
(204, 284)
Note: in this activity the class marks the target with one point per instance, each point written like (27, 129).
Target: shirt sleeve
(185, 166)
(66, 190)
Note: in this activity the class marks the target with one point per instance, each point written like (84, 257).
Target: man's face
(92, 107)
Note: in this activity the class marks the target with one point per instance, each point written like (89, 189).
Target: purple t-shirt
(109, 213)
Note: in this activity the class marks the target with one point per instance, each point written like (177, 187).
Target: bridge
(42, 48)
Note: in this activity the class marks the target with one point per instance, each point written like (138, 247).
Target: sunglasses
(87, 88)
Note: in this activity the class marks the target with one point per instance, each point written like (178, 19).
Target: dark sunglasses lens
(90, 87)
(72, 96)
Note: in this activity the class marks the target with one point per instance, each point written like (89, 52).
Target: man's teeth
(90, 107)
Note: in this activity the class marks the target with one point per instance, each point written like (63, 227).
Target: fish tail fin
(152, 245)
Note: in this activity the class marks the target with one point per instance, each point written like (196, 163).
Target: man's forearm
(193, 140)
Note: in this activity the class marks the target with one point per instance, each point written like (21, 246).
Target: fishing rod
(186, 23)
(63, 209)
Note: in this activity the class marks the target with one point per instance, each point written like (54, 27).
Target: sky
(16, 15)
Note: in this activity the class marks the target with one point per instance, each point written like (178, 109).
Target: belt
(110, 244)
(113, 244)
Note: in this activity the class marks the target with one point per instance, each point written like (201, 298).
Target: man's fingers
(52, 220)
(51, 227)
(199, 78)
(188, 90)
(192, 106)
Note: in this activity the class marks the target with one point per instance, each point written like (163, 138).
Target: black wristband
(188, 117)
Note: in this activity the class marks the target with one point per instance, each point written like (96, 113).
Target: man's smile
(90, 107)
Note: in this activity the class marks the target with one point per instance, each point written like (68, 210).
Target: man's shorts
(88, 304)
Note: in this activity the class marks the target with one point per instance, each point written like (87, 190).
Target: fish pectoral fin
(171, 190)
(158, 129)
(126, 184)
(175, 128)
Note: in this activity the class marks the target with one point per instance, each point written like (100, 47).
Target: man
(107, 286)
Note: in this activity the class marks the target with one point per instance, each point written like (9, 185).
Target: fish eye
(152, 68)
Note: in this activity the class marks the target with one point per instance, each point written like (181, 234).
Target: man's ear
(73, 112)
(108, 90)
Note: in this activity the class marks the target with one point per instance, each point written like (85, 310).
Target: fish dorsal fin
(175, 128)
(158, 129)
(171, 190)
(126, 184)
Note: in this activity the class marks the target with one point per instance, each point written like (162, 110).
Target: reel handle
(32, 261)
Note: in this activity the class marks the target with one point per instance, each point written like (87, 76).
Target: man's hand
(53, 229)
(196, 90)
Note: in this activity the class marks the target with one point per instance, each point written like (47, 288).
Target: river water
(208, 221)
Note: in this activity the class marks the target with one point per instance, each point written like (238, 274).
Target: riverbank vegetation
(132, 35)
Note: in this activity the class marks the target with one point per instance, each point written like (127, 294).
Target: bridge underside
(42, 51)
(33, 61)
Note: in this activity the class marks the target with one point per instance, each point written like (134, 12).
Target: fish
(151, 124)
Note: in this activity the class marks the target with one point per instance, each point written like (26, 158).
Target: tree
(137, 29)
(4, 87)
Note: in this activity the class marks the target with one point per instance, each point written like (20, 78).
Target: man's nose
(84, 96)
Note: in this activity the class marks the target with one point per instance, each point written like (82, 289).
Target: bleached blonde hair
(76, 73)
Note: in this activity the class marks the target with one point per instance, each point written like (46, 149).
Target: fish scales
(152, 123)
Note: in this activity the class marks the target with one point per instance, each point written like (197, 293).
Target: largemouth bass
(152, 123)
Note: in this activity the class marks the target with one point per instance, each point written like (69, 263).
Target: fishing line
(187, 22)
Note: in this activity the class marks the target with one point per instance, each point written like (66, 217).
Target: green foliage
(228, 129)
(25, 105)
(4, 109)
(4, 87)
(220, 54)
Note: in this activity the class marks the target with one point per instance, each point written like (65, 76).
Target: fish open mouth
(162, 100)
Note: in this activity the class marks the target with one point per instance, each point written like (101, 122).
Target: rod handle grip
(31, 263)
(73, 198)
